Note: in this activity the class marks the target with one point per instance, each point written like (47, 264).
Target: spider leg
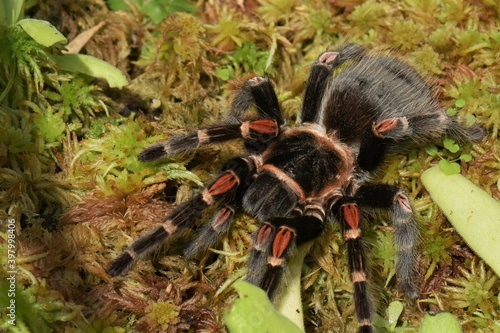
(236, 173)
(405, 230)
(320, 75)
(255, 132)
(211, 233)
(346, 212)
(274, 243)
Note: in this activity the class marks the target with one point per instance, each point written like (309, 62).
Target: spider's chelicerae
(294, 180)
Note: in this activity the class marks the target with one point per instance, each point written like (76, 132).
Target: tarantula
(357, 109)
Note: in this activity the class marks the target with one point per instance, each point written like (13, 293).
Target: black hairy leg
(390, 198)
(257, 134)
(320, 76)
(275, 241)
(347, 213)
(236, 173)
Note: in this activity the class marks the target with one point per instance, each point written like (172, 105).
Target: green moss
(164, 314)
(475, 290)
(407, 35)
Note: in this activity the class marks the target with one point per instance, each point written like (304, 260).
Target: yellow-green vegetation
(72, 185)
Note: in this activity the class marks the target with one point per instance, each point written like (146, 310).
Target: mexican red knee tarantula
(294, 180)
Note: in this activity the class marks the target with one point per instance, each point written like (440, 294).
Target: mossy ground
(71, 180)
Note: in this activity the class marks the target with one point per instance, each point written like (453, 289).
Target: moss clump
(163, 314)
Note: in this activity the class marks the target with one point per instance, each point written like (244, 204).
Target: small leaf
(470, 120)
(92, 66)
(42, 32)
(223, 74)
(465, 157)
(431, 150)
(460, 103)
(449, 168)
(451, 145)
(451, 112)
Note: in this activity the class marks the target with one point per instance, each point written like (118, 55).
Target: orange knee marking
(386, 125)
(221, 217)
(263, 234)
(351, 215)
(224, 183)
(264, 126)
(282, 241)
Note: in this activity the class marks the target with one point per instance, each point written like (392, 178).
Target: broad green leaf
(473, 212)
(92, 66)
(42, 32)
(11, 11)
(252, 312)
(394, 311)
(443, 322)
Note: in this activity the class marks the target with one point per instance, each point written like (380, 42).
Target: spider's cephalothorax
(357, 109)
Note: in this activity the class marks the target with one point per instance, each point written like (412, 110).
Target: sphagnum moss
(458, 53)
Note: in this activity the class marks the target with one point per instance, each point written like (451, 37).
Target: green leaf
(431, 150)
(223, 74)
(451, 145)
(451, 112)
(473, 213)
(116, 5)
(439, 323)
(460, 103)
(470, 120)
(465, 157)
(11, 11)
(92, 66)
(42, 32)
(252, 312)
(449, 168)
(394, 311)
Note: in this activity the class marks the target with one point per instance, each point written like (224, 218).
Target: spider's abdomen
(375, 89)
(302, 163)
